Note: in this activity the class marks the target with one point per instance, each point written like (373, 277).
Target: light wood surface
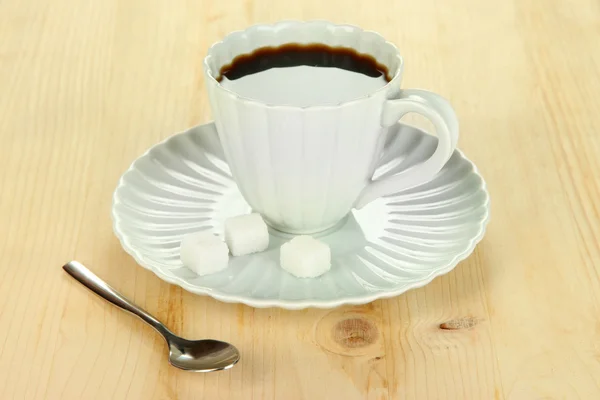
(86, 86)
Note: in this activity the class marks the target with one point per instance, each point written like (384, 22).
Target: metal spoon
(191, 355)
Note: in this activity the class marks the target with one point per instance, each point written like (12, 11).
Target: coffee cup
(302, 115)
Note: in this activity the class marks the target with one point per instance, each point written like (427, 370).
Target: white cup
(305, 167)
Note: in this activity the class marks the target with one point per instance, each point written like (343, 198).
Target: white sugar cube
(204, 253)
(305, 257)
(246, 234)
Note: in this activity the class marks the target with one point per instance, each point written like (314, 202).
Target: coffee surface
(295, 54)
(303, 75)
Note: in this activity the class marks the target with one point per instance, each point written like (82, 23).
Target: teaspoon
(204, 355)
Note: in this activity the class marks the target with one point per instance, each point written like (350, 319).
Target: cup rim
(208, 72)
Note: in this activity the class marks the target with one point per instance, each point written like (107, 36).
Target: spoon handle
(88, 279)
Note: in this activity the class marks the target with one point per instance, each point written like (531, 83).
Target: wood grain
(87, 86)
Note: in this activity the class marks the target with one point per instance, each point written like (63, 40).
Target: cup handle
(440, 113)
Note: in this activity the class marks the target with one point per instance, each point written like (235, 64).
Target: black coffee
(294, 55)
(303, 75)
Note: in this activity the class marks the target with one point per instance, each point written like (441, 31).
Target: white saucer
(392, 245)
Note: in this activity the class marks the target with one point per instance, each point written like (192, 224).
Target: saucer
(396, 243)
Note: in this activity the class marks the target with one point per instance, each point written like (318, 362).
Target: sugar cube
(204, 253)
(246, 234)
(305, 257)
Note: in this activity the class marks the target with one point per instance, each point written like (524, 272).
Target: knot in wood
(355, 332)
(460, 323)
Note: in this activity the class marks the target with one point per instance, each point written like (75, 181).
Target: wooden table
(87, 86)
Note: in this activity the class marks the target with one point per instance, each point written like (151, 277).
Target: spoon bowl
(204, 355)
